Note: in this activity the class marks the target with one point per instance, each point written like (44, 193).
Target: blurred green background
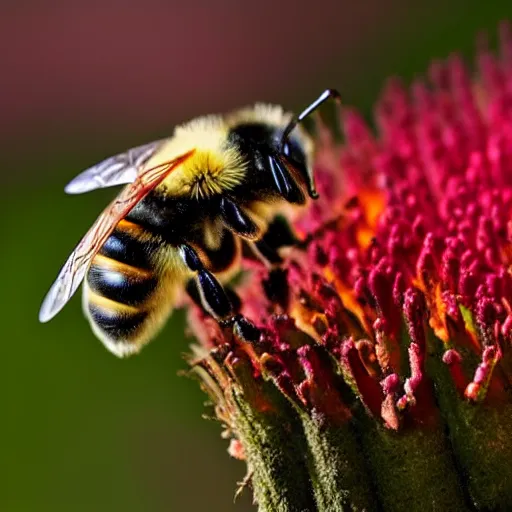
(82, 430)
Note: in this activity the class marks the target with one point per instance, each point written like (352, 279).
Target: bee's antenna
(328, 93)
(295, 120)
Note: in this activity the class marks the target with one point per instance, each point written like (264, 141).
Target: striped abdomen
(132, 283)
(123, 284)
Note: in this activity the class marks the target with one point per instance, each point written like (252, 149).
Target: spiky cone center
(379, 375)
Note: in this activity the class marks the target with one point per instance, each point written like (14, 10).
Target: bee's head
(290, 148)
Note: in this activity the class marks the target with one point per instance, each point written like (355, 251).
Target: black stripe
(117, 326)
(171, 219)
(127, 248)
(120, 287)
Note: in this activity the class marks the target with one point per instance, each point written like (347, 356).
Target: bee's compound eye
(286, 149)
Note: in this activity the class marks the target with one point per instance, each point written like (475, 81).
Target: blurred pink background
(95, 70)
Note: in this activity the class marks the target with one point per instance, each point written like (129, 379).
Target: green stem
(339, 478)
(413, 470)
(275, 448)
(480, 437)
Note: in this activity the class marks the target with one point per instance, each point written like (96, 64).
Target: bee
(192, 203)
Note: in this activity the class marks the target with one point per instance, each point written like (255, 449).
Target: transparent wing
(116, 170)
(73, 271)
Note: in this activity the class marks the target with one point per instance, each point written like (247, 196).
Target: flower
(375, 369)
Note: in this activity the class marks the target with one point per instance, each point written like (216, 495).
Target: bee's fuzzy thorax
(213, 172)
(215, 167)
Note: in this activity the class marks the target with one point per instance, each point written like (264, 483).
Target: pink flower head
(402, 300)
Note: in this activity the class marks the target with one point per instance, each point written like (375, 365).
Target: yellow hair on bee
(273, 115)
(215, 167)
(211, 173)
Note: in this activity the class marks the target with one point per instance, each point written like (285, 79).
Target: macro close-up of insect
(194, 205)
(256, 257)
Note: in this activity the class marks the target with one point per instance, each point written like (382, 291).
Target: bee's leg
(213, 297)
(236, 220)
(245, 329)
(193, 292)
(221, 303)
(219, 259)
